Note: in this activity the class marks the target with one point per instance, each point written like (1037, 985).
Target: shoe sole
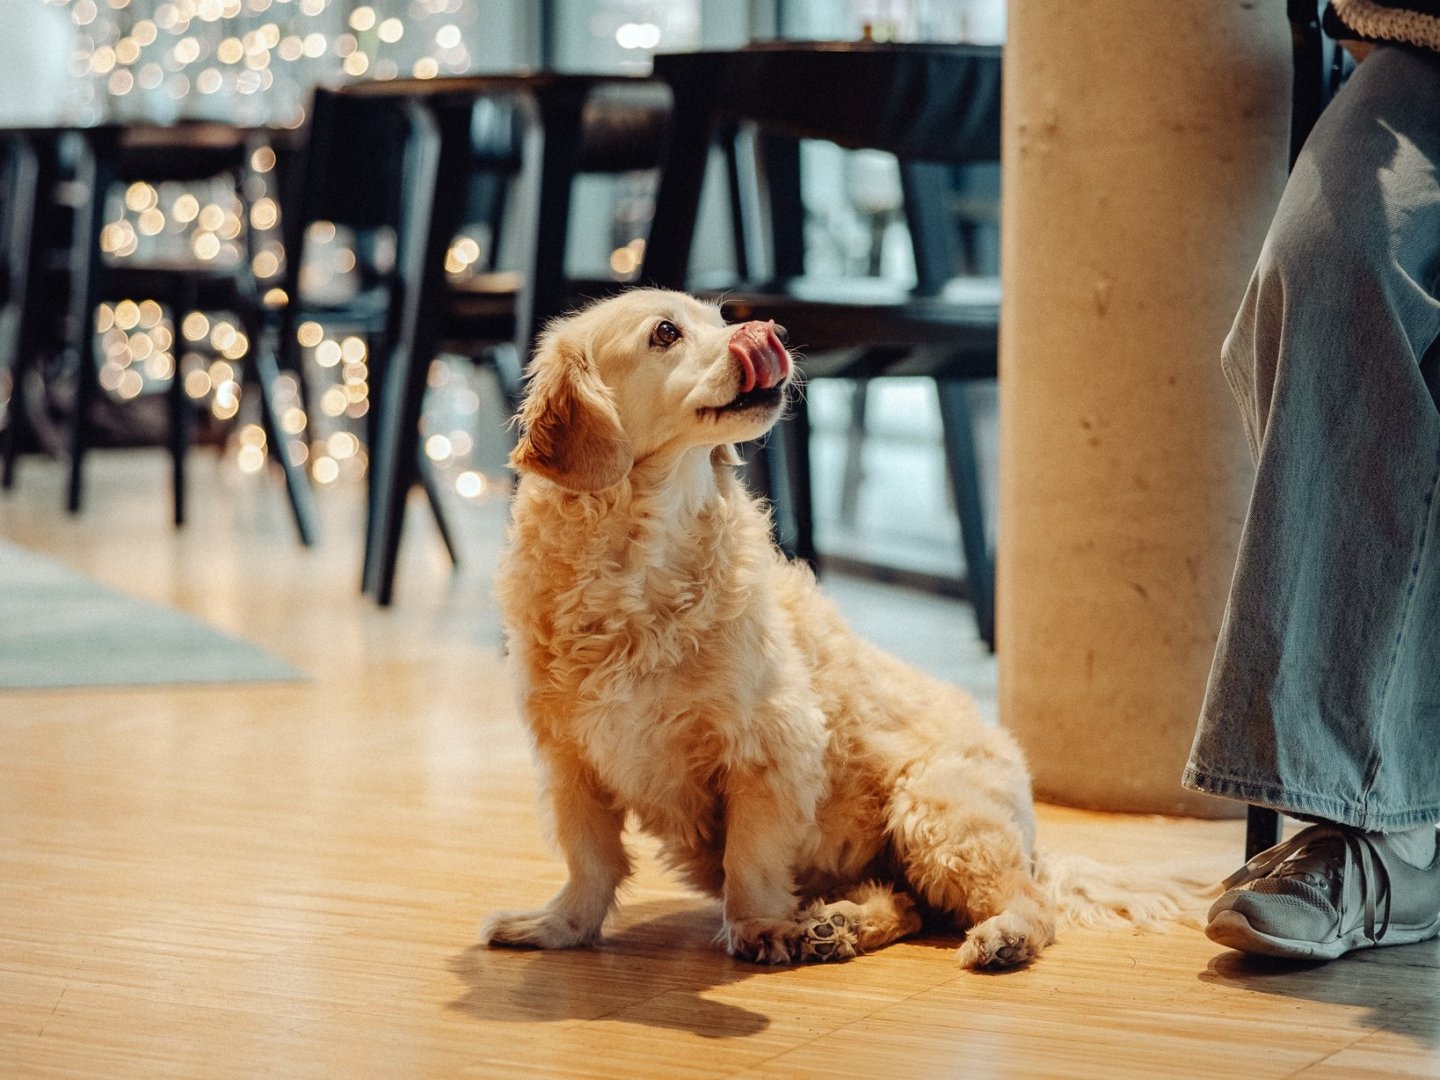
(1233, 930)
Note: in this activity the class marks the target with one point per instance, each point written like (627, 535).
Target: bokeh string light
(252, 63)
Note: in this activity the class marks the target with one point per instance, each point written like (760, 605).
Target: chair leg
(778, 470)
(426, 472)
(394, 460)
(181, 415)
(854, 473)
(13, 434)
(94, 173)
(1262, 830)
(297, 483)
(87, 386)
(960, 451)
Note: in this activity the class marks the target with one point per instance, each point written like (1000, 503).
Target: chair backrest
(350, 169)
(927, 104)
(918, 101)
(363, 163)
(185, 152)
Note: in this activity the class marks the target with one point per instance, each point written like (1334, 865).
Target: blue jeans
(1324, 696)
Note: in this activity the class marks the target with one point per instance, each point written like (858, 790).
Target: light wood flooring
(285, 880)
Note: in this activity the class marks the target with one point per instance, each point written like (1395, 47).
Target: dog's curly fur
(674, 667)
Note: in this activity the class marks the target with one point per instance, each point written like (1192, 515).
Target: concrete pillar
(1144, 154)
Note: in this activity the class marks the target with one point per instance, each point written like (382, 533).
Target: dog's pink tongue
(763, 359)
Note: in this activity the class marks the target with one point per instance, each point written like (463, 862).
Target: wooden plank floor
(285, 880)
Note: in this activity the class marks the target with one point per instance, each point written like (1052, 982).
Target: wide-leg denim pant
(1324, 696)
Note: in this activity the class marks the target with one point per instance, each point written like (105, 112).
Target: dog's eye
(665, 334)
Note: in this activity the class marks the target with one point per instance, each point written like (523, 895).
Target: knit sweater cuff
(1418, 23)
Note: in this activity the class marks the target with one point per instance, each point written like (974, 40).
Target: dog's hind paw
(830, 932)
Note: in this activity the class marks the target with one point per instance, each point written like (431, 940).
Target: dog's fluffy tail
(1089, 893)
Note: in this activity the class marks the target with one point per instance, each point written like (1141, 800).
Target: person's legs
(1324, 696)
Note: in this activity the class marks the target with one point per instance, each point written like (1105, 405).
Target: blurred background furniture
(932, 106)
(77, 171)
(366, 164)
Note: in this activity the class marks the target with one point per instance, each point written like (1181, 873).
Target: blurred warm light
(334, 401)
(310, 334)
(238, 347)
(637, 36)
(342, 445)
(325, 470)
(141, 196)
(102, 60)
(186, 208)
(470, 484)
(160, 366)
(131, 384)
(328, 353)
(150, 223)
(195, 326)
(197, 383)
(293, 421)
(265, 264)
(251, 459)
(264, 213)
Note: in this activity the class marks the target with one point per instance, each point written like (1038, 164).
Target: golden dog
(673, 667)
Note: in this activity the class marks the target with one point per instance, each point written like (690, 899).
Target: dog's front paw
(1003, 941)
(763, 941)
(542, 929)
(830, 932)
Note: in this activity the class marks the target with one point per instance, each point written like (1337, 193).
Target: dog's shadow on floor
(1393, 989)
(656, 967)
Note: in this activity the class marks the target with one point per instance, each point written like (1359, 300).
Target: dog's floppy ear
(570, 429)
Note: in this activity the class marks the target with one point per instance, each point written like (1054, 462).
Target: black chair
(564, 125)
(48, 252)
(934, 107)
(367, 164)
(126, 154)
(19, 177)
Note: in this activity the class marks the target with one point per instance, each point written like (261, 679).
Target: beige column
(1144, 153)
